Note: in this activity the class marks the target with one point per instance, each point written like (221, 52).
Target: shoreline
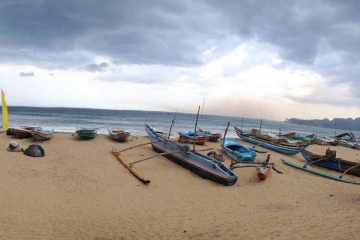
(80, 190)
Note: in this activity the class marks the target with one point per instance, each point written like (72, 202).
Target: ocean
(68, 120)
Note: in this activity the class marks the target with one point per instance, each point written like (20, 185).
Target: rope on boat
(342, 175)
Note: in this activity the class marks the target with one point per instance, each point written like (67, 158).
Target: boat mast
(172, 124)
(279, 135)
(197, 117)
(222, 145)
(202, 109)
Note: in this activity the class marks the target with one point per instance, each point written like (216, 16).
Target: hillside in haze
(347, 124)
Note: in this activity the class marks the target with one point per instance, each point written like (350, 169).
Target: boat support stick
(222, 144)
(135, 146)
(197, 117)
(167, 153)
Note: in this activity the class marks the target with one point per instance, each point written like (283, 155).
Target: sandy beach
(79, 190)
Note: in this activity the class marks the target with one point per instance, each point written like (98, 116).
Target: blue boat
(198, 163)
(262, 140)
(330, 161)
(237, 151)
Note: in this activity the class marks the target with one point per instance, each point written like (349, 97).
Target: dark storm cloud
(97, 67)
(141, 32)
(296, 27)
(322, 36)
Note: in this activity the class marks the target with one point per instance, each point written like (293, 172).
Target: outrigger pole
(167, 153)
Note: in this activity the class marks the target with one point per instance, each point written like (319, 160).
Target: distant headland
(347, 124)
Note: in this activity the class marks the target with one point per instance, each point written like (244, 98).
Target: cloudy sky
(272, 59)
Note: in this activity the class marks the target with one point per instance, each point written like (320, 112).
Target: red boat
(264, 169)
(21, 133)
(190, 137)
(212, 137)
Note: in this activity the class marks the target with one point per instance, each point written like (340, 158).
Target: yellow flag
(4, 111)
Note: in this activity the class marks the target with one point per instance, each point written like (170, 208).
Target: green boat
(87, 133)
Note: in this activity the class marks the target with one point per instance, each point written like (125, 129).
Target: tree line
(348, 124)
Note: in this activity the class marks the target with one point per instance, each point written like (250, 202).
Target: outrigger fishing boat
(255, 137)
(306, 168)
(330, 161)
(198, 163)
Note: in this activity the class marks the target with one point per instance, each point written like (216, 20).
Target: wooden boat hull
(237, 151)
(319, 173)
(200, 164)
(263, 171)
(336, 164)
(289, 135)
(119, 135)
(130, 167)
(288, 149)
(41, 135)
(214, 137)
(21, 133)
(187, 138)
(87, 134)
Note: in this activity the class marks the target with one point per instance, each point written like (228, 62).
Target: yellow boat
(131, 167)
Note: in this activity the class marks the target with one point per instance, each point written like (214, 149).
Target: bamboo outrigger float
(130, 167)
(305, 168)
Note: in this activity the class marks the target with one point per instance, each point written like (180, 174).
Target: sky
(272, 59)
